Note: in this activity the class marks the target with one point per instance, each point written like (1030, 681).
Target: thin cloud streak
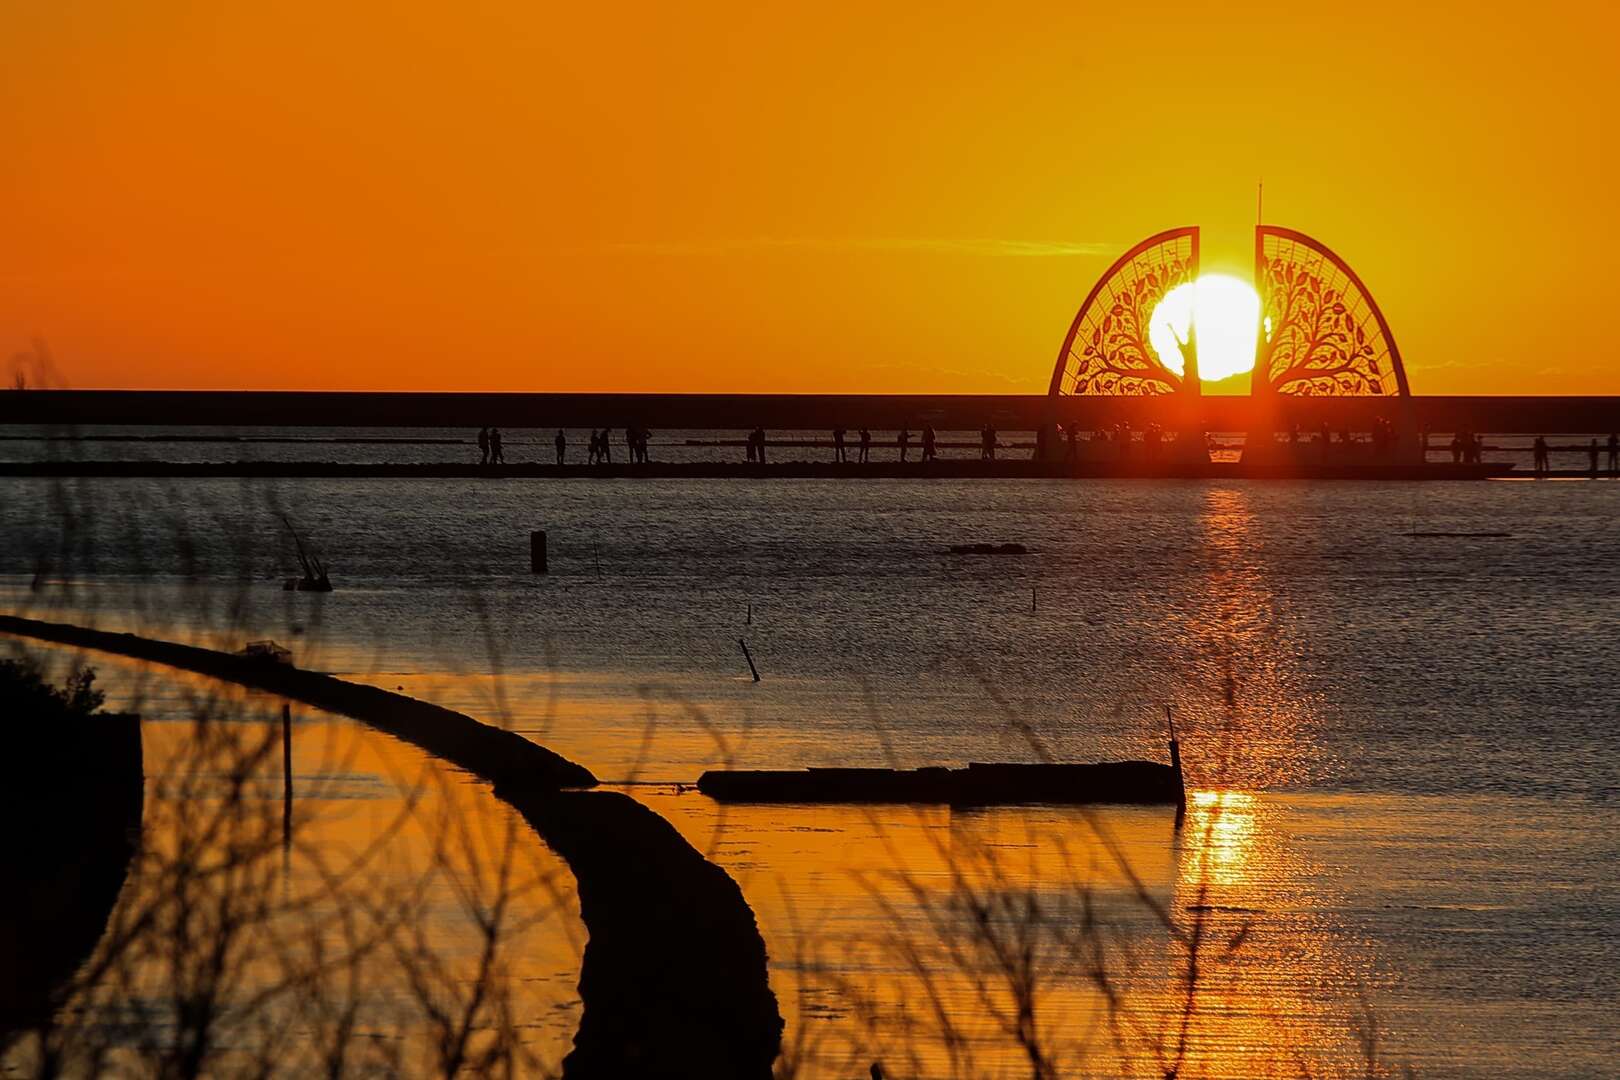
(927, 245)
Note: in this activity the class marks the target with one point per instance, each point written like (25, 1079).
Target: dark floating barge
(1139, 783)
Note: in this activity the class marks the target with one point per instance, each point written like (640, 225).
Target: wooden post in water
(1175, 763)
(537, 551)
(286, 775)
(747, 656)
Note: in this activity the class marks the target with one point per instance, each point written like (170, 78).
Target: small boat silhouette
(315, 578)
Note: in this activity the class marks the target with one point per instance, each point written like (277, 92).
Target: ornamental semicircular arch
(1107, 350)
(1321, 331)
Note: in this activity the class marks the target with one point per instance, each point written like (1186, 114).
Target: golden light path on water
(1226, 313)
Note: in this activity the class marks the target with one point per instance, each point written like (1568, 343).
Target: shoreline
(674, 973)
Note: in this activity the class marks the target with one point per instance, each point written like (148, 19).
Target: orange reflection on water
(1247, 710)
(367, 915)
(1262, 979)
(896, 933)
(899, 934)
(1222, 826)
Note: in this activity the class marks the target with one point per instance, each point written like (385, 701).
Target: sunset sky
(750, 197)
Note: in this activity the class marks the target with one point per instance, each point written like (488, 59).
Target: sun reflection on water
(1222, 824)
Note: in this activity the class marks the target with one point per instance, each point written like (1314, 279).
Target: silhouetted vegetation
(25, 695)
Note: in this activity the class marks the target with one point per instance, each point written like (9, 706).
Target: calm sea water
(1403, 746)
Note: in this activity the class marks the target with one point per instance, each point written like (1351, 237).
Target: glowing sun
(1227, 310)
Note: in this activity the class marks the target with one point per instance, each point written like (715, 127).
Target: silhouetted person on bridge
(904, 441)
(838, 446)
(987, 443)
(604, 451)
(483, 446)
(1614, 454)
(1542, 458)
(562, 445)
(930, 443)
(496, 455)
(866, 446)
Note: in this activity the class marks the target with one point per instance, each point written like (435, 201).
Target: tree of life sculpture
(1107, 350)
(1321, 331)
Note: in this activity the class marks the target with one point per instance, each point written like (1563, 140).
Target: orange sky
(521, 196)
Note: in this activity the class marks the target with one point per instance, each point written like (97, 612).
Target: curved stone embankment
(502, 757)
(673, 978)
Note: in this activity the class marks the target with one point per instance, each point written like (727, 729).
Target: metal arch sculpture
(1106, 350)
(1321, 331)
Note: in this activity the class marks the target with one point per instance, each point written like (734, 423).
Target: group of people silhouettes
(840, 436)
(930, 444)
(489, 447)
(756, 445)
(841, 454)
(600, 451)
(1543, 456)
(1467, 448)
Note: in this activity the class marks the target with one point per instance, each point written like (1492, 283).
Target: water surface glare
(1405, 744)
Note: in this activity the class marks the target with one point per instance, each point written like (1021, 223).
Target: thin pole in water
(1175, 763)
(1032, 599)
(286, 775)
(747, 656)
